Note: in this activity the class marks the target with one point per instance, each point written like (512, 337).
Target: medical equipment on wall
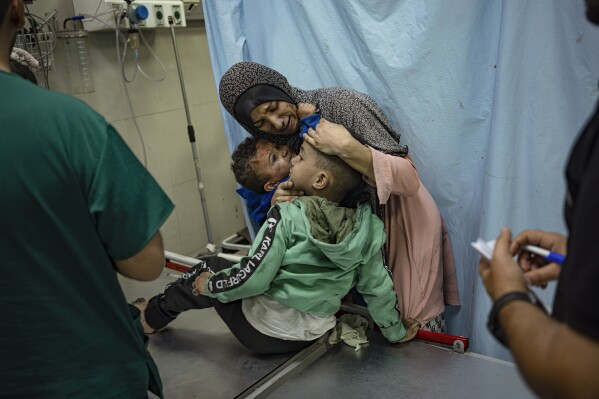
(38, 38)
(158, 12)
(129, 19)
(76, 72)
(115, 15)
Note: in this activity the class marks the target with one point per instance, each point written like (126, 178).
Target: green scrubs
(72, 196)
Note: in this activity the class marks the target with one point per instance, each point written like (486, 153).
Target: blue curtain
(489, 96)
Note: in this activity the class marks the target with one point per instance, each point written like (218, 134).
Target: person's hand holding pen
(537, 270)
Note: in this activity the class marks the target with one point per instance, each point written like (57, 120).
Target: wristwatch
(493, 322)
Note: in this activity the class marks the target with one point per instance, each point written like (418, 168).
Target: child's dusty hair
(243, 168)
(345, 178)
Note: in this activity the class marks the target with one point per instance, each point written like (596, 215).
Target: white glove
(23, 57)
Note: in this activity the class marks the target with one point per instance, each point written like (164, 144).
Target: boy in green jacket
(304, 260)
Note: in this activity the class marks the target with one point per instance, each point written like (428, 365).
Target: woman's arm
(331, 138)
(391, 174)
(394, 175)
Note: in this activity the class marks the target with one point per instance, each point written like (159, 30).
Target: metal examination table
(199, 358)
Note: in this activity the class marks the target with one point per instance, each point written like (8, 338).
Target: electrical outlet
(177, 14)
(159, 15)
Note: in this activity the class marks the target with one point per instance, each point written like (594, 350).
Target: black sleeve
(577, 296)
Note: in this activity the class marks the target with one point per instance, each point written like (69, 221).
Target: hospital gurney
(198, 357)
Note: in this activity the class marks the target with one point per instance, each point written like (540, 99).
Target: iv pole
(192, 140)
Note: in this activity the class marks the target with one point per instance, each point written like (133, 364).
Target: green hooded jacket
(308, 255)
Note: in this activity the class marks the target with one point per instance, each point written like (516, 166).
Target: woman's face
(275, 117)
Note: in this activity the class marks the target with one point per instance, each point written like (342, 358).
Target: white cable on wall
(163, 74)
(119, 35)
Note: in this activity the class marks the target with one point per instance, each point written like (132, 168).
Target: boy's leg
(232, 314)
(178, 296)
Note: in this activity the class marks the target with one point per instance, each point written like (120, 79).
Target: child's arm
(253, 275)
(376, 286)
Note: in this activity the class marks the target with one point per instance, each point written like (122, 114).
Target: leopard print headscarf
(356, 111)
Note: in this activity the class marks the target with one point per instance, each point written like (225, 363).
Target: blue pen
(546, 254)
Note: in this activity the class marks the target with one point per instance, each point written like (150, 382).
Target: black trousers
(178, 297)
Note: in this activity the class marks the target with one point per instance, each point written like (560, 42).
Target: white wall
(160, 115)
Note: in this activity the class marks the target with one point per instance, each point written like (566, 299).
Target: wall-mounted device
(193, 10)
(144, 13)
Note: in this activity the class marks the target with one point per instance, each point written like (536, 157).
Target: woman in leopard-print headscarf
(354, 128)
(356, 111)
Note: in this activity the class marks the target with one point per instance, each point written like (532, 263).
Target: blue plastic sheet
(489, 96)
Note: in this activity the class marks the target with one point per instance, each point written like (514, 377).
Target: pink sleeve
(393, 175)
(451, 292)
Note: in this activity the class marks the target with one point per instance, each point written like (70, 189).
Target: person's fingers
(287, 197)
(277, 199)
(502, 244)
(529, 236)
(289, 192)
(313, 140)
(286, 185)
(542, 275)
(515, 247)
(551, 241)
(519, 241)
(309, 139)
(525, 261)
(483, 267)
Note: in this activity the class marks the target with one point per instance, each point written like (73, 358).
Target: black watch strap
(493, 322)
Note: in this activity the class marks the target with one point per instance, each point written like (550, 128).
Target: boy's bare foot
(142, 304)
(412, 326)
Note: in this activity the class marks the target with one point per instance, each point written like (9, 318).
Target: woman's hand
(537, 270)
(285, 193)
(305, 109)
(331, 138)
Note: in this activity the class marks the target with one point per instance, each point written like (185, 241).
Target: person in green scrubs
(76, 208)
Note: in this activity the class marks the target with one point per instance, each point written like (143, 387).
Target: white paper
(485, 248)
